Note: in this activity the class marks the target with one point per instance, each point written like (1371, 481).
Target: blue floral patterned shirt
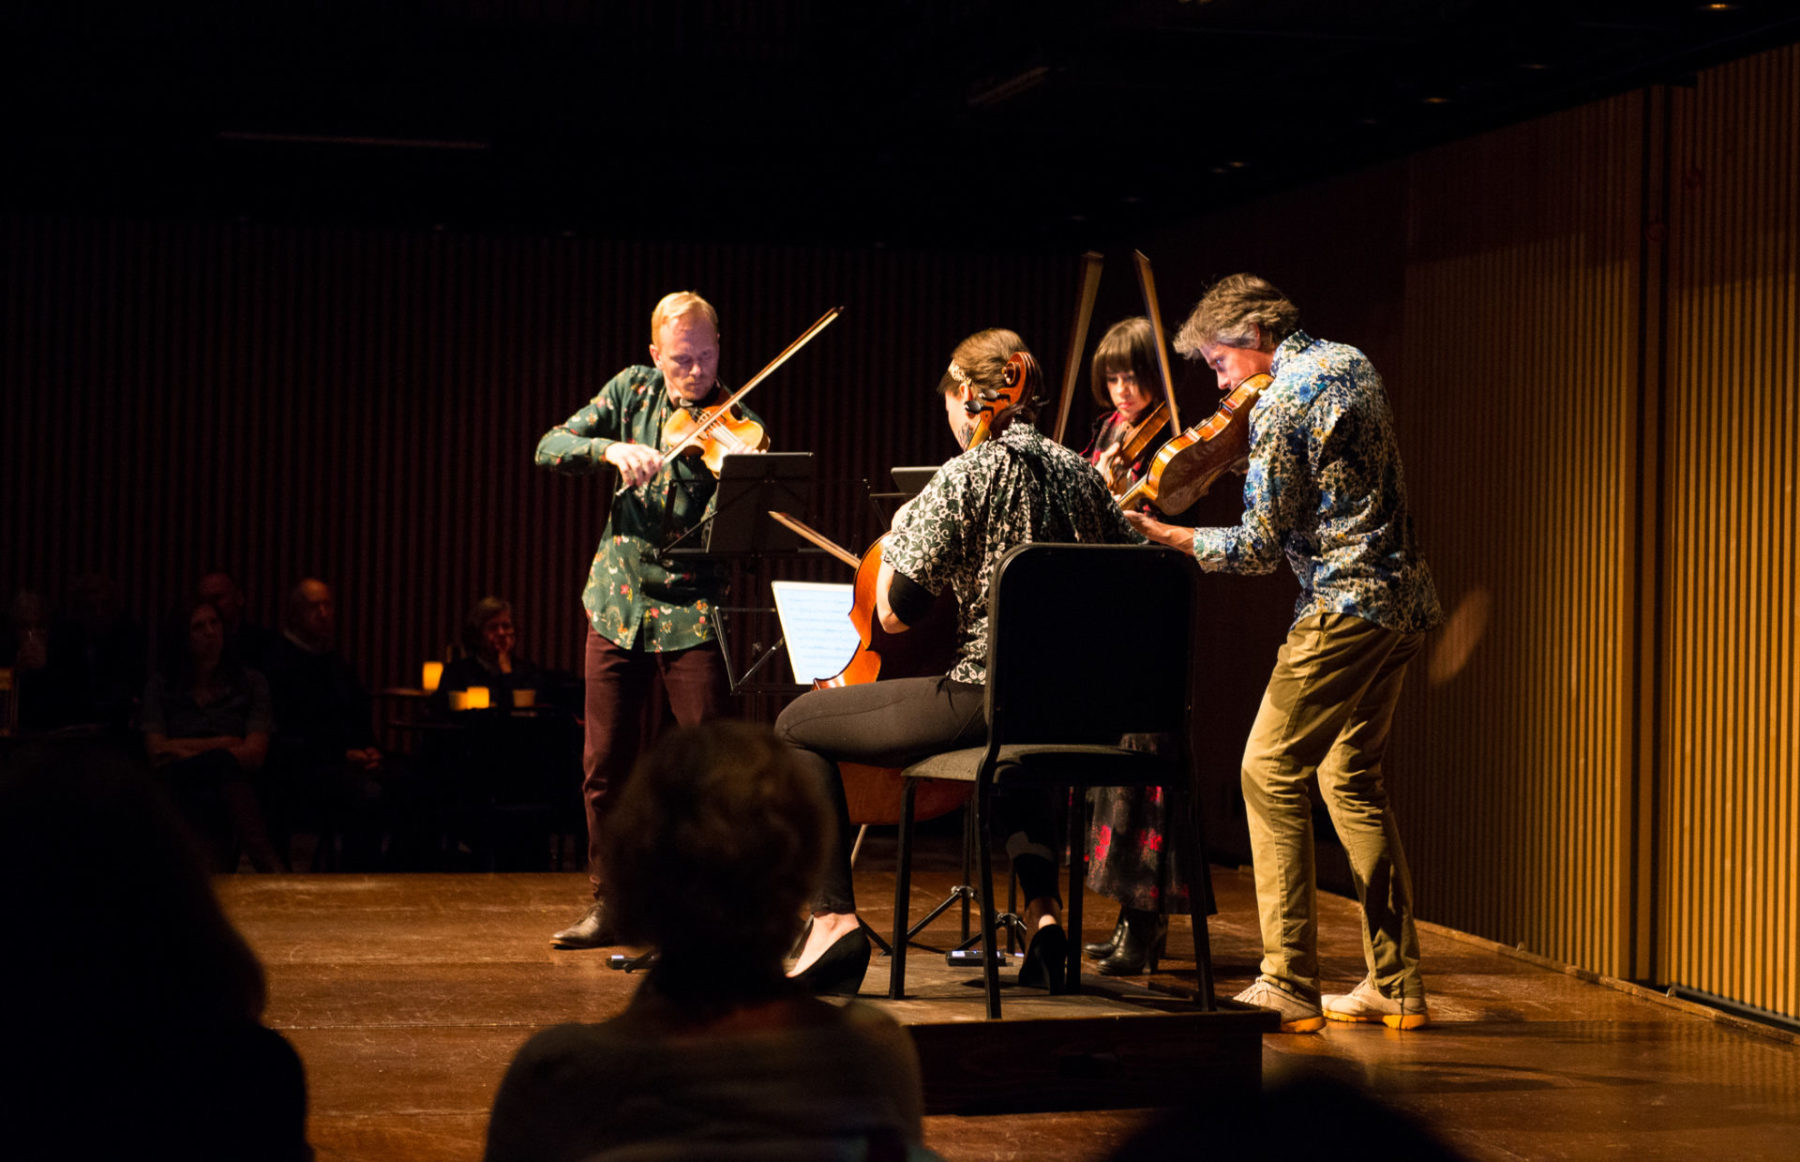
(1325, 488)
(1019, 488)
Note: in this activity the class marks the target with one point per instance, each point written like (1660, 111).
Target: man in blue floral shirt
(647, 619)
(1325, 490)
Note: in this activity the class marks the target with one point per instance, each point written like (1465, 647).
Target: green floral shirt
(632, 598)
(1001, 493)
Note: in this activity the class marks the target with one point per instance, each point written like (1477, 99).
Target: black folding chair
(1065, 685)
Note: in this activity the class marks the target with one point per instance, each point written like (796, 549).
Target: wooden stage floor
(407, 995)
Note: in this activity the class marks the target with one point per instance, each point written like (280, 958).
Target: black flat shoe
(1046, 964)
(1101, 949)
(839, 971)
(1146, 933)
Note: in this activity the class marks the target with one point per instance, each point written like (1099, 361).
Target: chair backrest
(1090, 642)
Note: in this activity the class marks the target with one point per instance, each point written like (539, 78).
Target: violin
(720, 431)
(1131, 446)
(714, 433)
(1186, 466)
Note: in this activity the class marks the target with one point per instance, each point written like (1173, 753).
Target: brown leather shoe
(591, 931)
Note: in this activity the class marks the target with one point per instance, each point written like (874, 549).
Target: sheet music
(815, 622)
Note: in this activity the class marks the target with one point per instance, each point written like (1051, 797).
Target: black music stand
(750, 484)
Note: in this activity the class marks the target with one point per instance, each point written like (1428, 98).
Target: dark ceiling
(1018, 123)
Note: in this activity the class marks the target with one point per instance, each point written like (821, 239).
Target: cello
(922, 650)
(916, 652)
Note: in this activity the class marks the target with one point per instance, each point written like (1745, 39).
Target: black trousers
(891, 724)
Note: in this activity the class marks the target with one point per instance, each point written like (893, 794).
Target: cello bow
(1084, 314)
(1147, 281)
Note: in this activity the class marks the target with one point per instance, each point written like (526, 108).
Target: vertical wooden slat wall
(1594, 369)
(362, 406)
(1520, 308)
(1729, 842)
(1587, 325)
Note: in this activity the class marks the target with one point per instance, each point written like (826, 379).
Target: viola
(1186, 466)
(721, 431)
(1130, 447)
(714, 433)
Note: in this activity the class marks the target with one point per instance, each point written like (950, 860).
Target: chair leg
(1193, 862)
(1077, 885)
(902, 894)
(990, 947)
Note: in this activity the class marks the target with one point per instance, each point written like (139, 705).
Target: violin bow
(1148, 282)
(1084, 314)
(724, 409)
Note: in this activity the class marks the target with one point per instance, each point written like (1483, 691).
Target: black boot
(1141, 946)
(1102, 949)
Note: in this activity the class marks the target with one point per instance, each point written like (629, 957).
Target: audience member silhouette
(250, 641)
(24, 649)
(326, 768)
(715, 844)
(502, 772)
(1297, 1115)
(206, 720)
(133, 1024)
(491, 659)
(97, 660)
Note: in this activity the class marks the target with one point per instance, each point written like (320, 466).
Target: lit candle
(477, 698)
(434, 673)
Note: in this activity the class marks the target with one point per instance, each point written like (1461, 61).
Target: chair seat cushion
(1090, 764)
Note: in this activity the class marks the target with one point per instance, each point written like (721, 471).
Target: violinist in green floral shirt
(646, 620)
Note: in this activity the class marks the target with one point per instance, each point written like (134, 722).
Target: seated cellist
(1026, 488)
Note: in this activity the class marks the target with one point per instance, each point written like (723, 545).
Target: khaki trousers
(1325, 718)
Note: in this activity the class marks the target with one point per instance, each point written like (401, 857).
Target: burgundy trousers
(630, 694)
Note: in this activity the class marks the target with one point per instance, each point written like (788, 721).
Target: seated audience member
(491, 660)
(501, 774)
(134, 1009)
(1299, 1114)
(714, 846)
(206, 724)
(24, 651)
(97, 659)
(250, 641)
(325, 765)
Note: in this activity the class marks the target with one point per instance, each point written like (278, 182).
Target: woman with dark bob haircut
(714, 847)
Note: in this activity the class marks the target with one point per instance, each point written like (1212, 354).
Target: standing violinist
(1016, 487)
(649, 633)
(1326, 490)
(1124, 375)
(1126, 849)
